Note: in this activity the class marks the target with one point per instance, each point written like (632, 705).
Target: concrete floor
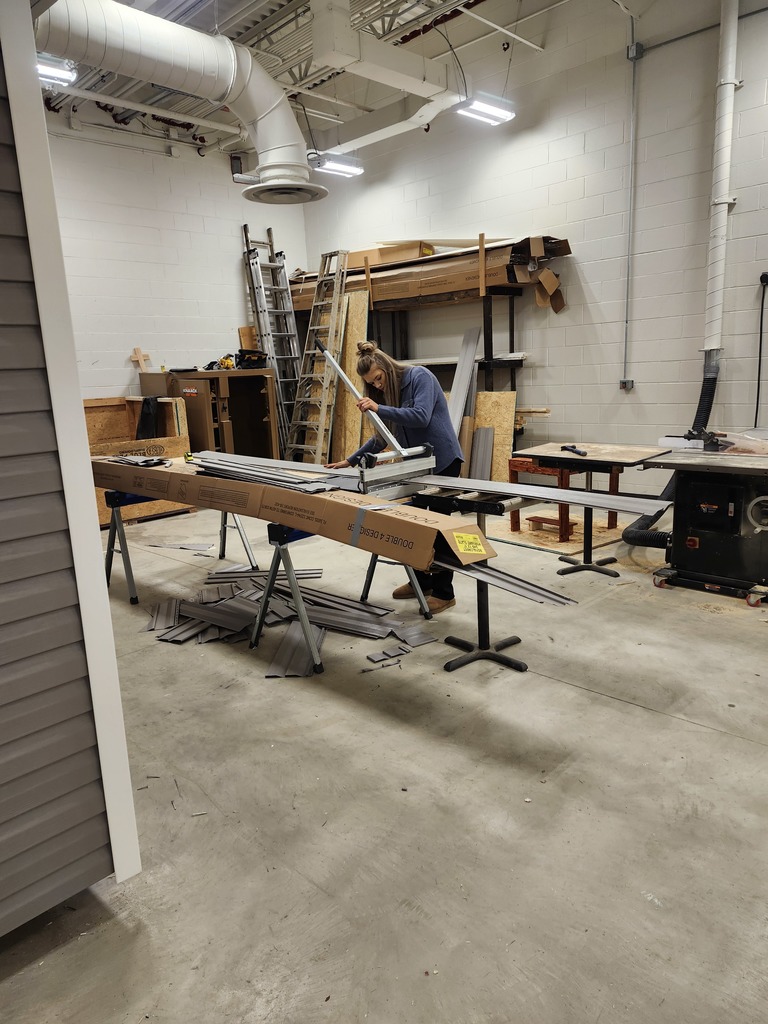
(583, 842)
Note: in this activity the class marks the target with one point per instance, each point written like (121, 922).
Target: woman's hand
(338, 465)
(367, 405)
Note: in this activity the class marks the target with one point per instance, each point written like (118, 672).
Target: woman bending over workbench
(411, 402)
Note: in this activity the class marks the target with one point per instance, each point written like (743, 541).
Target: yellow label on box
(469, 544)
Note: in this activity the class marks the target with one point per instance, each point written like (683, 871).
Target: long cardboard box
(394, 530)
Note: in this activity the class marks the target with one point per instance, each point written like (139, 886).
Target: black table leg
(577, 565)
(482, 649)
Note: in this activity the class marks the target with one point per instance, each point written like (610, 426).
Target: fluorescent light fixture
(336, 163)
(55, 71)
(487, 112)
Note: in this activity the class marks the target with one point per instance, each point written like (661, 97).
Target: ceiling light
(55, 71)
(335, 163)
(487, 112)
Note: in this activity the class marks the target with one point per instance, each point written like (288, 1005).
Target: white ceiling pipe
(113, 37)
(336, 44)
(721, 175)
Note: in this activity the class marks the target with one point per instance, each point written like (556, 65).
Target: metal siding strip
(52, 855)
(461, 379)
(34, 556)
(28, 676)
(32, 516)
(594, 499)
(23, 476)
(46, 747)
(31, 714)
(55, 889)
(293, 658)
(39, 633)
(36, 788)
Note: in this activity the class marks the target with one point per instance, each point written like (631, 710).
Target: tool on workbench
(572, 448)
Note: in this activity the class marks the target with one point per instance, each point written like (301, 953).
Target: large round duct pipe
(113, 37)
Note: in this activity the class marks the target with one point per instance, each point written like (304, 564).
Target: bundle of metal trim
(497, 578)
(588, 499)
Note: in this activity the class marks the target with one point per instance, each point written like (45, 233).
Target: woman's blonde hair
(370, 357)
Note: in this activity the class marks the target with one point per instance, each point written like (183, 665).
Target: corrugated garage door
(54, 839)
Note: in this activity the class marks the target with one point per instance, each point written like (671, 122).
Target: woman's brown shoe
(439, 604)
(405, 592)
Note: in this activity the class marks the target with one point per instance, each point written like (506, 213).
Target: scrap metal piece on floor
(220, 592)
(234, 614)
(394, 652)
(357, 625)
(185, 630)
(389, 664)
(183, 547)
(414, 636)
(381, 656)
(322, 597)
(164, 615)
(293, 657)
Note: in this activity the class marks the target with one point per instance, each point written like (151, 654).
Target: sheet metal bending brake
(414, 460)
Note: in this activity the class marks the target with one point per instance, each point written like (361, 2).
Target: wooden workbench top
(611, 454)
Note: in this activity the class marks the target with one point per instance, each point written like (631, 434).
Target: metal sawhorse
(280, 537)
(115, 500)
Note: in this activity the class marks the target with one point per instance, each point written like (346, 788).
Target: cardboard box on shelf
(396, 252)
(394, 530)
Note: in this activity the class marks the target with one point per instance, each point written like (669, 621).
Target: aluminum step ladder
(275, 321)
(309, 435)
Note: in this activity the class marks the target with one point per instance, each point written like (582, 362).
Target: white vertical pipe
(721, 175)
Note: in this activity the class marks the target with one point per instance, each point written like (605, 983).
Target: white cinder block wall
(561, 168)
(153, 254)
(153, 244)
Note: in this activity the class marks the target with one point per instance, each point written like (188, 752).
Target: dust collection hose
(639, 533)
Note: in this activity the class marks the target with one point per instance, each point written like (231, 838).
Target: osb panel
(350, 427)
(109, 420)
(497, 409)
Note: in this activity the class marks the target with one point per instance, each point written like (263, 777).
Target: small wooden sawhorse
(518, 465)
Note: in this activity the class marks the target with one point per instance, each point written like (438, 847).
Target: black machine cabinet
(720, 525)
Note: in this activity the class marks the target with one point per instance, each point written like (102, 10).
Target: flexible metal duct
(113, 37)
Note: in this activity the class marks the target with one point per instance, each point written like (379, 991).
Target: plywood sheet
(497, 409)
(350, 428)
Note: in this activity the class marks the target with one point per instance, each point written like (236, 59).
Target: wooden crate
(111, 425)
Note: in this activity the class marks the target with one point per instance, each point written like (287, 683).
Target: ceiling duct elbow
(113, 37)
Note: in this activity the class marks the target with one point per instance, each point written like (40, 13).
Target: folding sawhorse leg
(280, 537)
(240, 529)
(114, 500)
(423, 606)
